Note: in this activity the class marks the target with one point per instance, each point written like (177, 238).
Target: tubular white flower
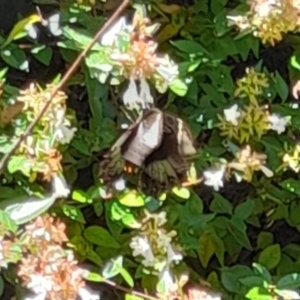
(214, 177)
(111, 35)
(232, 114)
(87, 294)
(64, 134)
(278, 123)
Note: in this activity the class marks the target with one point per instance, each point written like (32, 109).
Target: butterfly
(157, 149)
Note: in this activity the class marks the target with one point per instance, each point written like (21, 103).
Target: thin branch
(126, 290)
(64, 80)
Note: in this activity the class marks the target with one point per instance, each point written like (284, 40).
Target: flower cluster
(270, 19)
(242, 124)
(54, 128)
(154, 244)
(243, 166)
(133, 52)
(48, 270)
(253, 119)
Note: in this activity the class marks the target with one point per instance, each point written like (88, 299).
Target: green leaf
(73, 213)
(15, 163)
(291, 185)
(190, 47)
(206, 248)
(127, 277)
(244, 210)
(258, 293)
(26, 208)
(220, 205)
(81, 196)
(294, 62)
(19, 31)
(238, 231)
(15, 57)
(281, 87)
(129, 220)
(43, 54)
(92, 276)
(290, 281)
(264, 239)
(132, 199)
(7, 222)
(230, 277)
(270, 256)
(261, 270)
(113, 267)
(94, 257)
(252, 281)
(81, 37)
(100, 236)
(183, 193)
(178, 87)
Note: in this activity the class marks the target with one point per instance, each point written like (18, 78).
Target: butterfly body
(158, 149)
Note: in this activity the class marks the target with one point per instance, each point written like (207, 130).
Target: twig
(69, 72)
(121, 288)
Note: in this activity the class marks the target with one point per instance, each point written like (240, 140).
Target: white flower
(232, 114)
(40, 285)
(172, 255)
(145, 94)
(64, 134)
(161, 218)
(110, 36)
(141, 246)
(120, 184)
(167, 69)
(131, 96)
(3, 263)
(278, 123)
(41, 296)
(87, 294)
(214, 178)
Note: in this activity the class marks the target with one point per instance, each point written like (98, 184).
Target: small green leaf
(281, 86)
(19, 31)
(42, 54)
(220, 205)
(244, 210)
(113, 267)
(15, 163)
(127, 277)
(183, 193)
(132, 297)
(252, 281)
(15, 57)
(294, 62)
(258, 293)
(80, 196)
(92, 276)
(290, 281)
(264, 239)
(206, 248)
(190, 47)
(7, 222)
(270, 256)
(178, 87)
(73, 213)
(100, 236)
(132, 199)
